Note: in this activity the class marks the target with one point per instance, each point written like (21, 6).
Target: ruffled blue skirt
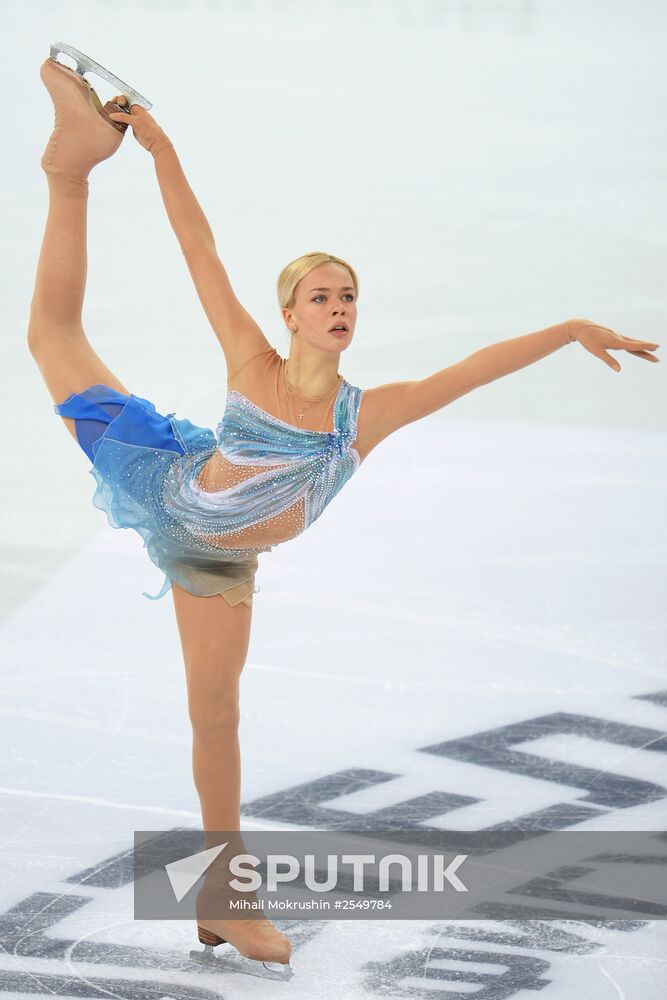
(132, 448)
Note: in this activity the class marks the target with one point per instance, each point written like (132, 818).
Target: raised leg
(56, 338)
(81, 138)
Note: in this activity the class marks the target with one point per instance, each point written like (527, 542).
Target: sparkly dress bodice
(272, 479)
(265, 480)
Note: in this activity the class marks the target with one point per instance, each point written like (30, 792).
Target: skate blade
(85, 64)
(276, 971)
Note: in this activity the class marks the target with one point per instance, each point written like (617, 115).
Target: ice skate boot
(261, 950)
(83, 134)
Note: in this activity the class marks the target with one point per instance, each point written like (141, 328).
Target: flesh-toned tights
(214, 635)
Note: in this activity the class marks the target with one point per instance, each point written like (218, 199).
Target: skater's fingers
(132, 115)
(111, 108)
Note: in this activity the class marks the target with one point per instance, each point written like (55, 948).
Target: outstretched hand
(146, 130)
(599, 339)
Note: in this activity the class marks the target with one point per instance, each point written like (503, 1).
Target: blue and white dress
(145, 466)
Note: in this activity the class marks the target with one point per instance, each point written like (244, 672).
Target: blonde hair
(292, 273)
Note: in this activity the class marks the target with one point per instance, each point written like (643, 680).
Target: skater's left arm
(386, 408)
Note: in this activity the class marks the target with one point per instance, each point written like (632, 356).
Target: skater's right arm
(238, 334)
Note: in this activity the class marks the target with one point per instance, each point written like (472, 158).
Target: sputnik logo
(184, 873)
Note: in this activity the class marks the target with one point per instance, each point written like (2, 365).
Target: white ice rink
(490, 169)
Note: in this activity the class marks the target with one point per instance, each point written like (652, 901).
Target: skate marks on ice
(44, 963)
(495, 960)
(305, 804)
(499, 959)
(29, 933)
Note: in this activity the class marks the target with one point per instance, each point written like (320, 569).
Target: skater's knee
(36, 339)
(215, 715)
(43, 338)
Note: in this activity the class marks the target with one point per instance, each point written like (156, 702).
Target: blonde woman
(293, 432)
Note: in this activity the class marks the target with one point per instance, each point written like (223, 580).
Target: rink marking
(621, 995)
(89, 800)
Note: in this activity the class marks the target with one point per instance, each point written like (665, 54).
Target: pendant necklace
(309, 400)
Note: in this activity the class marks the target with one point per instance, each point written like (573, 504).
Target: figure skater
(292, 434)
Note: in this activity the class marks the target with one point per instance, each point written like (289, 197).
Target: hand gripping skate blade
(276, 971)
(85, 64)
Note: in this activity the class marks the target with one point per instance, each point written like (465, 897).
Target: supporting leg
(215, 638)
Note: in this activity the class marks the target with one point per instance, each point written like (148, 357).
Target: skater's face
(325, 298)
